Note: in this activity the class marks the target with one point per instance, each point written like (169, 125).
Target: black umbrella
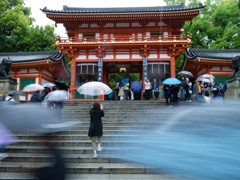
(61, 85)
(33, 118)
(15, 93)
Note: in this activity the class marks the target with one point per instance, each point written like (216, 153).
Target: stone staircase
(122, 120)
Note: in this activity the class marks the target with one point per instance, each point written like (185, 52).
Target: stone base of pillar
(233, 89)
(7, 84)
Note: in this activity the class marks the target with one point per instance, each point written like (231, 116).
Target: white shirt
(147, 85)
(10, 98)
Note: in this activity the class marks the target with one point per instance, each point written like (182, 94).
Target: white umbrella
(57, 95)
(94, 88)
(33, 87)
(49, 85)
(185, 73)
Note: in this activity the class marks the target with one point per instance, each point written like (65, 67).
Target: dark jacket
(174, 91)
(167, 91)
(36, 97)
(95, 128)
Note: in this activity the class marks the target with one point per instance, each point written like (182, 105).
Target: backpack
(206, 93)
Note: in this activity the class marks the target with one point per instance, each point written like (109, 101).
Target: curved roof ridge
(169, 8)
(214, 54)
(28, 57)
(28, 53)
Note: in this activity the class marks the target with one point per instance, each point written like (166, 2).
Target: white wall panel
(82, 57)
(123, 56)
(164, 56)
(122, 25)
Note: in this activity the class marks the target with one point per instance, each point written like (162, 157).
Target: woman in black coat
(95, 130)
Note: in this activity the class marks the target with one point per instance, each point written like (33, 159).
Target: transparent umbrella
(49, 85)
(15, 93)
(32, 87)
(94, 88)
(204, 80)
(57, 95)
(207, 76)
(185, 74)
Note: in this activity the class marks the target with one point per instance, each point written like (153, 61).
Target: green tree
(217, 27)
(38, 39)
(17, 32)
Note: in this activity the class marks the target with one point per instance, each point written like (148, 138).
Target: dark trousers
(187, 95)
(125, 95)
(156, 95)
(175, 101)
(168, 97)
(147, 94)
(137, 96)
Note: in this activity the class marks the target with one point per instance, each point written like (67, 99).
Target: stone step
(65, 149)
(91, 168)
(36, 142)
(71, 158)
(97, 176)
(75, 137)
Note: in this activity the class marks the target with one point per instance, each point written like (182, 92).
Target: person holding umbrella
(167, 93)
(13, 93)
(10, 98)
(96, 128)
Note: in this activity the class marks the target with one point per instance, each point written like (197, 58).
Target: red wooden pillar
(172, 67)
(73, 78)
(40, 77)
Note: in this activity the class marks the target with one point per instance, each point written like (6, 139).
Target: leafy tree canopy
(17, 32)
(217, 27)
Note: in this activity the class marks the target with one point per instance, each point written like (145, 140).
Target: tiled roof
(28, 57)
(156, 9)
(213, 54)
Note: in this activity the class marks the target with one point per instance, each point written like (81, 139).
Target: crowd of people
(201, 92)
(187, 91)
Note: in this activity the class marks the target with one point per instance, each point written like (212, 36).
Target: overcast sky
(42, 20)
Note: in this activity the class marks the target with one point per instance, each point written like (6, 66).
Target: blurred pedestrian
(10, 98)
(121, 93)
(57, 170)
(125, 90)
(207, 94)
(155, 88)
(167, 93)
(188, 89)
(96, 128)
(222, 88)
(36, 97)
(182, 90)
(174, 95)
(147, 89)
(197, 91)
(45, 92)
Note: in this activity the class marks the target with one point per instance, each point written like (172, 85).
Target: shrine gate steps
(119, 121)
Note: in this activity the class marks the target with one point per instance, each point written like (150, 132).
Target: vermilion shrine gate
(144, 40)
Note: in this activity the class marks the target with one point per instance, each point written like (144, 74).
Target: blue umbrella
(136, 87)
(171, 81)
(123, 82)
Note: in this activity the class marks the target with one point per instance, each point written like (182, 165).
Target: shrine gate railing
(124, 38)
